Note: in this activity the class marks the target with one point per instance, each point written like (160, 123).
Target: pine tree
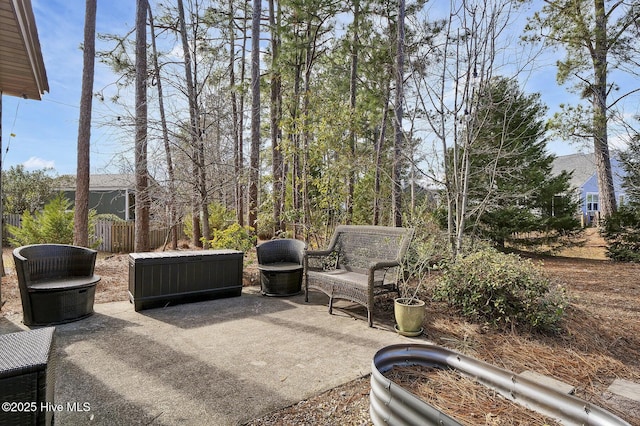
(511, 187)
(622, 229)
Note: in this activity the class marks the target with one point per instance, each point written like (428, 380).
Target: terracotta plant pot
(409, 315)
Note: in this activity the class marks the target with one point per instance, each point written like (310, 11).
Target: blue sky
(46, 131)
(43, 133)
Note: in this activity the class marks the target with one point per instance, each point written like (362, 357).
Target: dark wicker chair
(56, 281)
(281, 263)
(361, 262)
(27, 377)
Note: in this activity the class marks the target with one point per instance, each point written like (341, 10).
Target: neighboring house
(108, 193)
(585, 181)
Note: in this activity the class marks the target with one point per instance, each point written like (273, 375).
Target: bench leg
(331, 304)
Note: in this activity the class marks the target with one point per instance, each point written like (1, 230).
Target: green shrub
(54, 224)
(503, 291)
(622, 233)
(266, 225)
(234, 237)
(219, 219)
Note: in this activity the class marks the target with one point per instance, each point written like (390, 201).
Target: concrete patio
(219, 362)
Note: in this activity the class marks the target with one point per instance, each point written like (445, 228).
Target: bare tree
(200, 215)
(460, 64)
(171, 208)
(81, 212)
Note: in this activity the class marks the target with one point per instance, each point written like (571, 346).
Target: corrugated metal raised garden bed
(394, 405)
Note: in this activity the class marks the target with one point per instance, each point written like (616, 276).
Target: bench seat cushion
(64, 283)
(340, 275)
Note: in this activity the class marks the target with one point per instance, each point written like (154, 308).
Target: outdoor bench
(56, 282)
(360, 262)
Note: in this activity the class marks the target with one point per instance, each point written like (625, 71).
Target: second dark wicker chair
(281, 264)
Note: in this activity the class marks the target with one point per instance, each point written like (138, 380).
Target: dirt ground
(600, 340)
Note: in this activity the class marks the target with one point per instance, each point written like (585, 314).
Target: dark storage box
(167, 278)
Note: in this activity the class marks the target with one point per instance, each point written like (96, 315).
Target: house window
(592, 202)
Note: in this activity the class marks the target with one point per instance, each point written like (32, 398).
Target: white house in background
(585, 181)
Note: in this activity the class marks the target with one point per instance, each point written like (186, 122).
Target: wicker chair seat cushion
(64, 283)
(319, 278)
(280, 267)
(341, 281)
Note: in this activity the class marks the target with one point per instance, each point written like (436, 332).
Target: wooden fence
(10, 219)
(119, 237)
(113, 237)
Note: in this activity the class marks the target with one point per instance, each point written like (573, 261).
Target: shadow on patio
(220, 362)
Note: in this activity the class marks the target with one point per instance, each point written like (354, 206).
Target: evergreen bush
(503, 291)
(54, 225)
(622, 233)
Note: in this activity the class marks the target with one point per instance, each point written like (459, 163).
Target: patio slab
(219, 362)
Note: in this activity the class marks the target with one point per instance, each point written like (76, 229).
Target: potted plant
(409, 313)
(408, 308)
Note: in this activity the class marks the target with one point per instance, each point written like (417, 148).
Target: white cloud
(35, 163)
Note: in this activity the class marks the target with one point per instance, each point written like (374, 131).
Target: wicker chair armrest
(381, 264)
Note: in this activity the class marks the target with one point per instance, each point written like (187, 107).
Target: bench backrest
(50, 261)
(356, 246)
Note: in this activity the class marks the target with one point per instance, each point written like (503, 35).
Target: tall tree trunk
(306, 208)
(243, 75)
(255, 114)
(353, 78)
(171, 208)
(396, 193)
(142, 196)
(379, 146)
(81, 212)
(202, 185)
(237, 149)
(276, 114)
(296, 173)
(599, 99)
(195, 127)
